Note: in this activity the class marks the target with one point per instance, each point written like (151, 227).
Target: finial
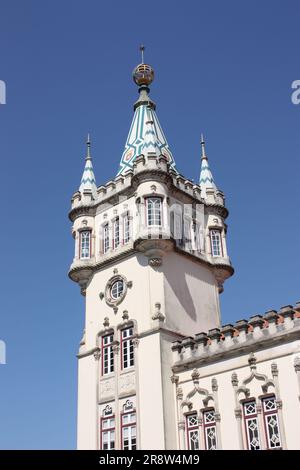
(142, 48)
(88, 148)
(203, 147)
(143, 74)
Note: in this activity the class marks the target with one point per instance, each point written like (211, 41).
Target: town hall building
(156, 367)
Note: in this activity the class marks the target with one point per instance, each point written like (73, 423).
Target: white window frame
(107, 354)
(85, 244)
(126, 229)
(127, 348)
(116, 228)
(209, 425)
(154, 213)
(105, 238)
(110, 431)
(273, 413)
(216, 243)
(250, 418)
(130, 427)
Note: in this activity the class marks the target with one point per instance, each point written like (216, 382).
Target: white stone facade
(156, 368)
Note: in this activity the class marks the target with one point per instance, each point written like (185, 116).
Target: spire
(88, 180)
(145, 130)
(206, 178)
(151, 143)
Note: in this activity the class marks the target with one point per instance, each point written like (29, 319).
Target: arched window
(85, 244)
(154, 211)
(216, 243)
(107, 429)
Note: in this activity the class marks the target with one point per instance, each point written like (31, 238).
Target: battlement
(256, 333)
(151, 167)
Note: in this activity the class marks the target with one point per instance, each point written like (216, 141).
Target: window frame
(105, 237)
(131, 425)
(270, 413)
(152, 198)
(129, 341)
(190, 429)
(81, 233)
(116, 230)
(251, 417)
(126, 229)
(207, 426)
(109, 348)
(213, 231)
(109, 430)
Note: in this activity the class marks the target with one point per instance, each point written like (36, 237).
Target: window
(127, 352)
(251, 425)
(105, 238)
(128, 431)
(117, 289)
(192, 426)
(116, 233)
(107, 433)
(154, 211)
(271, 422)
(85, 244)
(210, 433)
(107, 354)
(126, 229)
(216, 244)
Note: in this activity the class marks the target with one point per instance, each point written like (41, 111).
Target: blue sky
(222, 68)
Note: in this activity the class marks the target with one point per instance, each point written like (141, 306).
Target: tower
(151, 260)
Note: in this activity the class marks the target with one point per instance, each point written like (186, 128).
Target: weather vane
(142, 48)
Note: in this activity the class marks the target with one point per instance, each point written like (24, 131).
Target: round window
(117, 289)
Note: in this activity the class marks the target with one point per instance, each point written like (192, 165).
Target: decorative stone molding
(234, 379)
(116, 348)
(195, 376)
(297, 364)
(127, 383)
(125, 315)
(179, 393)
(101, 295)
(155, 262)
(97, 354)
(206, 348)
(214, 384)
(135, 342)
(228, 330)
(106, 322)
(158, 315)
(271, 316)
(174, 379)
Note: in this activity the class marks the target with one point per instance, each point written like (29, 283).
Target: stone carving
(127, 382)
(158, 315)
(107, 388)
(97, 354)
(106, 322)
(155, 262)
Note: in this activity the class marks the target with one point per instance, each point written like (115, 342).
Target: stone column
(217, 413)
(297, 370)
(237, 410)
(181, 422)
(274, 370)
(116, 350)
(97, 356)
